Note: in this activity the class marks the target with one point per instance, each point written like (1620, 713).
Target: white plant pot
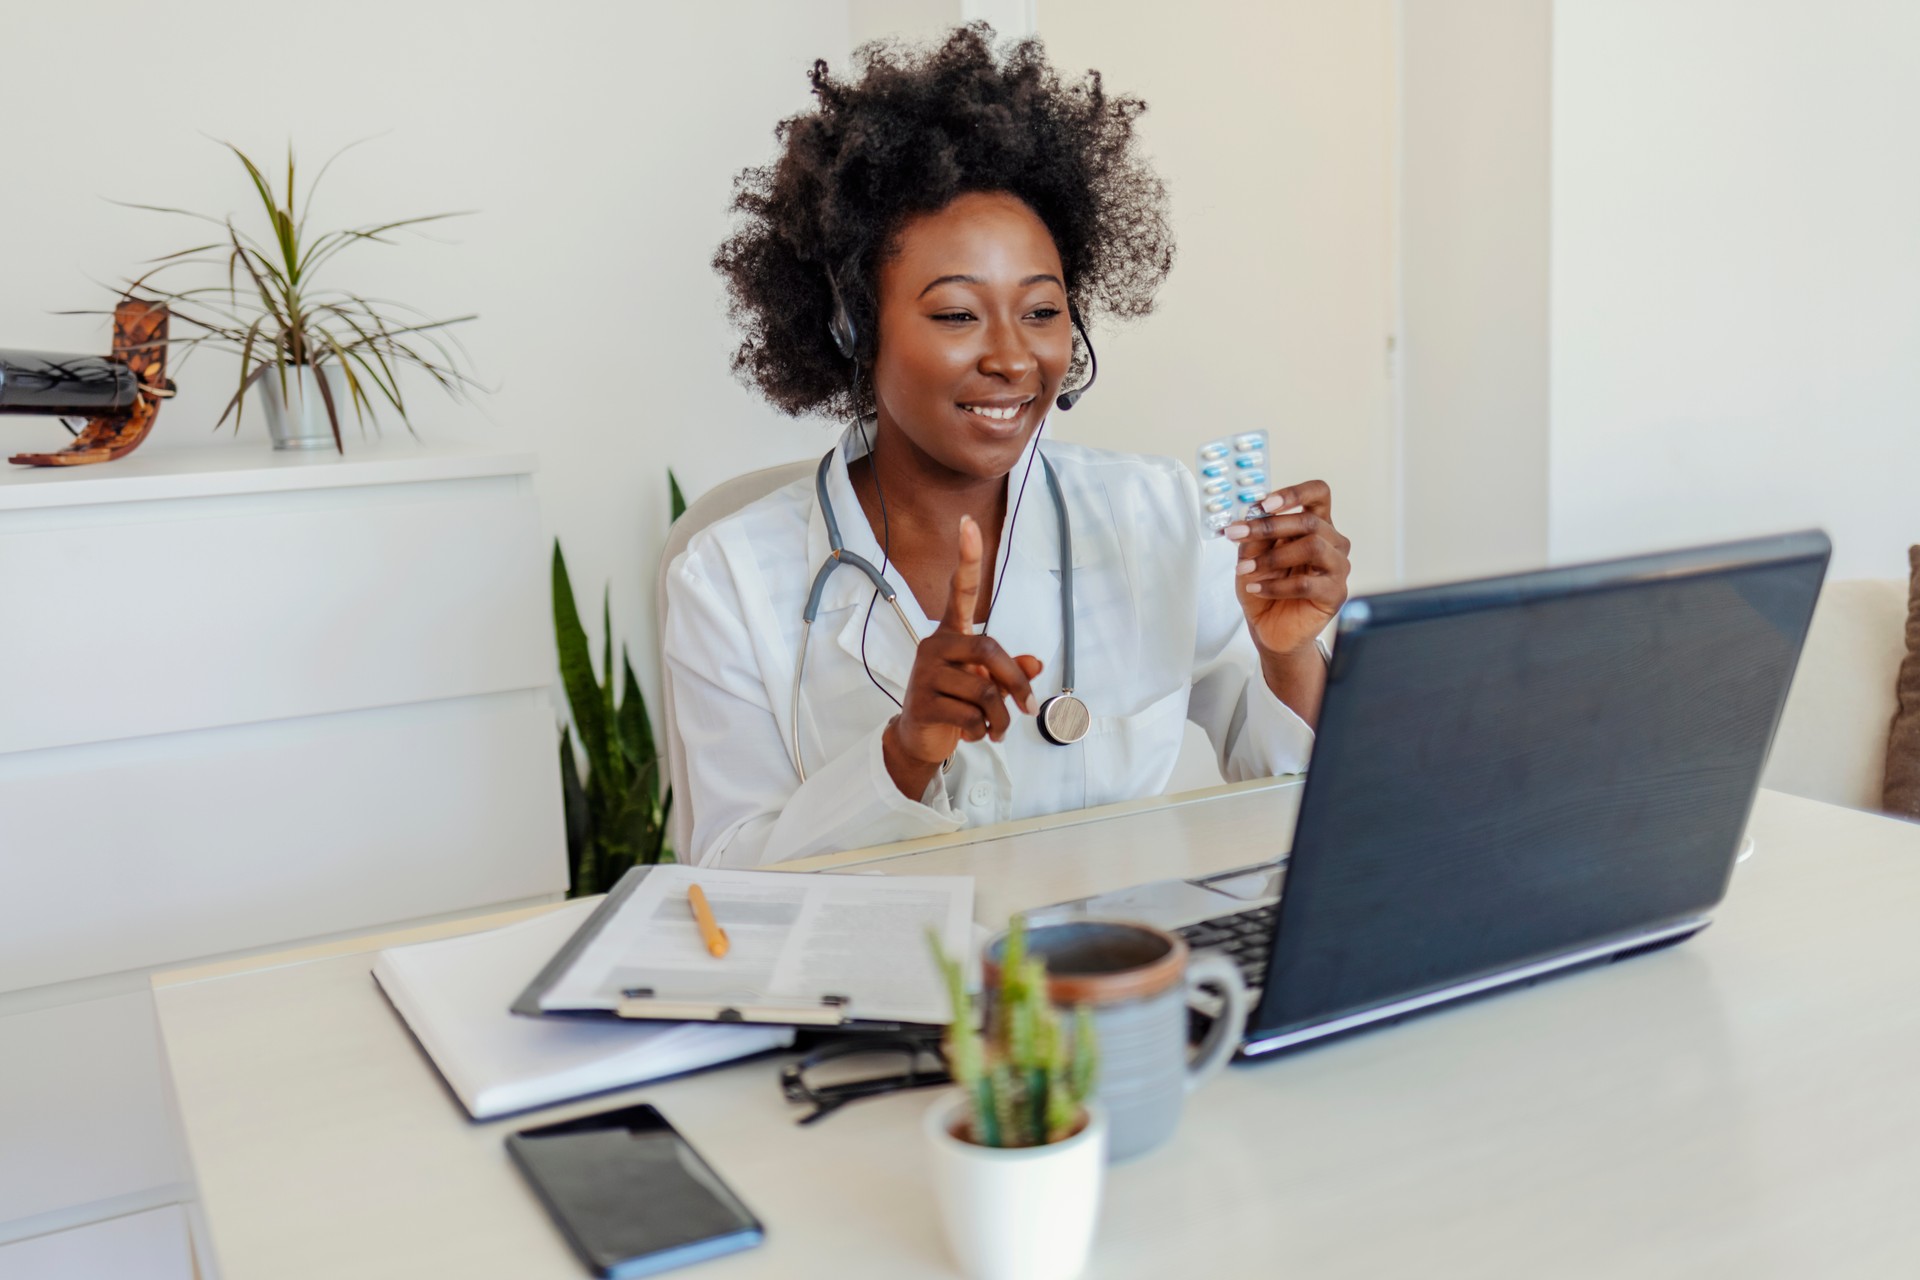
(1022, 1213)
(299, 420)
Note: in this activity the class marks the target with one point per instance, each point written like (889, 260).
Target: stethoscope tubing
(838, 555)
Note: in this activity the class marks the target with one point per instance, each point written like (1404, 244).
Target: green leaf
(677, 501)
(233, 405)
(359, 397)
(667, 853)
(636, 727)
(161, 208)
(314, 186)
(576, 673)
(588, 880)
(648, 823)
(618, 773)
(640, 813)
(573, 800)
(321, 380)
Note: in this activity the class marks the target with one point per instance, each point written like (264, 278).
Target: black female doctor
(942, 219)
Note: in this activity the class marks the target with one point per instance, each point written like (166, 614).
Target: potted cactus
(1018, 1151)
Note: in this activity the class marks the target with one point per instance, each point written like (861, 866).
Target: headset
(1063, 719)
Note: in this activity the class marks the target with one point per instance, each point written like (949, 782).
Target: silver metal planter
(300, 420)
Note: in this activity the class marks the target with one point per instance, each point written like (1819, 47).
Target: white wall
(1474, 104)
(1736, 274)
(598, 139)
(1272, 124)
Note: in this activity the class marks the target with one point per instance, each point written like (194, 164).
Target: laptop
(1513, 778)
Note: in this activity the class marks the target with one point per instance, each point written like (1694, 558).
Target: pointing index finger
(964, 593)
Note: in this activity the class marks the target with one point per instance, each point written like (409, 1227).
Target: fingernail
(1238, 531)
(1253, 588)
(1245, 566)
(965, 520)
(1031, 706)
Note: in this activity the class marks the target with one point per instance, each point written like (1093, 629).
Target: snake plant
(617, 813)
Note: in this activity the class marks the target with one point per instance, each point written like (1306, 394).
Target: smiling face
(974, 337)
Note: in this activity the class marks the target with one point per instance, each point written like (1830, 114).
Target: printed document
(856, 942)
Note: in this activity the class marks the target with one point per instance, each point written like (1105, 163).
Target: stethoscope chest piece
(1063, 719)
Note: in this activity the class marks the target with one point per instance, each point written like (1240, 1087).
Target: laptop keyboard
(1245, 936)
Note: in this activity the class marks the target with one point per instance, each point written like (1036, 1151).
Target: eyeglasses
(845, 1071)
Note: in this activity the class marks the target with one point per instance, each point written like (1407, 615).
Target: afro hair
(918, 128)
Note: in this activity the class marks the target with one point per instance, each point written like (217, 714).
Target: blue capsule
(1213, 453)
(1251, 441)
(1250, 495)
(1220, 505)
(1249, 461)
(1221, 485)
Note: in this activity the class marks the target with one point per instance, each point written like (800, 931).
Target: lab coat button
(980, 794)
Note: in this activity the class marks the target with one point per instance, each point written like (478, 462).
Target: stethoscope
(1062, 719)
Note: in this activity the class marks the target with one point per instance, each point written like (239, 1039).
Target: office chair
(721, 501)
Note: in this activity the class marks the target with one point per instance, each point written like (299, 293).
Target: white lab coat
(1160, 640)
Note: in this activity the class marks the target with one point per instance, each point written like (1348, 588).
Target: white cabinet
(139, 1246)
(247, 699)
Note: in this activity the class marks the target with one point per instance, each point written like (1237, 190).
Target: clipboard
(827, 1011)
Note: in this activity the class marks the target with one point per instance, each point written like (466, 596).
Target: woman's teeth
(1007, 414)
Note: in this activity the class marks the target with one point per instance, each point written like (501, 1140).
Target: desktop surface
(1741, 1105)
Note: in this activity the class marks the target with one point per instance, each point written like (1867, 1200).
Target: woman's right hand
(958, 688)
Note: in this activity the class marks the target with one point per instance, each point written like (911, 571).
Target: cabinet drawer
(127, 619)
(84, 1108)
(124, 855)
(151, 1246)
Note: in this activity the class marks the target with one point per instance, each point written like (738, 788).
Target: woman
(917, 259)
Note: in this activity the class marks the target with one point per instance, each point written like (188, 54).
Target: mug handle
(1212, 969)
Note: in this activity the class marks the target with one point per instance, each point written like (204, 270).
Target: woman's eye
(1044, 313)
(953, 315)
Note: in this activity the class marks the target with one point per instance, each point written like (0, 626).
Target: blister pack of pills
(1233, 476)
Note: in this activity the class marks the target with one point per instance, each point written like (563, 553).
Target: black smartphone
(630, 1194)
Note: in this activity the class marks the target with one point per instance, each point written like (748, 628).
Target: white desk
(1742, 1105)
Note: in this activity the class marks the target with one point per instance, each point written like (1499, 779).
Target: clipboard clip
(645, 1002)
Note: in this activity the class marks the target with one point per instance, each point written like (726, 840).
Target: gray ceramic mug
(1137, 981)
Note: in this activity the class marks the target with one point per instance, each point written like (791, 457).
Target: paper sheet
(794, 939)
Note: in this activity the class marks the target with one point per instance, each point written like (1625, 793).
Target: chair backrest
(719, 502)
(1832, 740)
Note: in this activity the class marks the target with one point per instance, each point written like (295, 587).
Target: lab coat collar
(1028, 607)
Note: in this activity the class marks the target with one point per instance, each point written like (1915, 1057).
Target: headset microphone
(1068, 399)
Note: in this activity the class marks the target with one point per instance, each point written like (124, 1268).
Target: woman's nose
(1008, 353)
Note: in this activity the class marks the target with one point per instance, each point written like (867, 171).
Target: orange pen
(710, 930)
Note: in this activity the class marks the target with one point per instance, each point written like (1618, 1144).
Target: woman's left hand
(1291, 576)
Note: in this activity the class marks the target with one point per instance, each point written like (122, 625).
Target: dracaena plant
(267, 304)
(617, 812)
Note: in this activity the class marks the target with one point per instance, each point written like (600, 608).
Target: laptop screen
(1517, 768)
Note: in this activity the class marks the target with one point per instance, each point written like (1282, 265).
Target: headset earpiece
(840, 324)
(841, 327)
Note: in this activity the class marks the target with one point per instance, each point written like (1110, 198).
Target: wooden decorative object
(140, 343)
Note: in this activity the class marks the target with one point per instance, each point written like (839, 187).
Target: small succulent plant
(1026, 1073)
